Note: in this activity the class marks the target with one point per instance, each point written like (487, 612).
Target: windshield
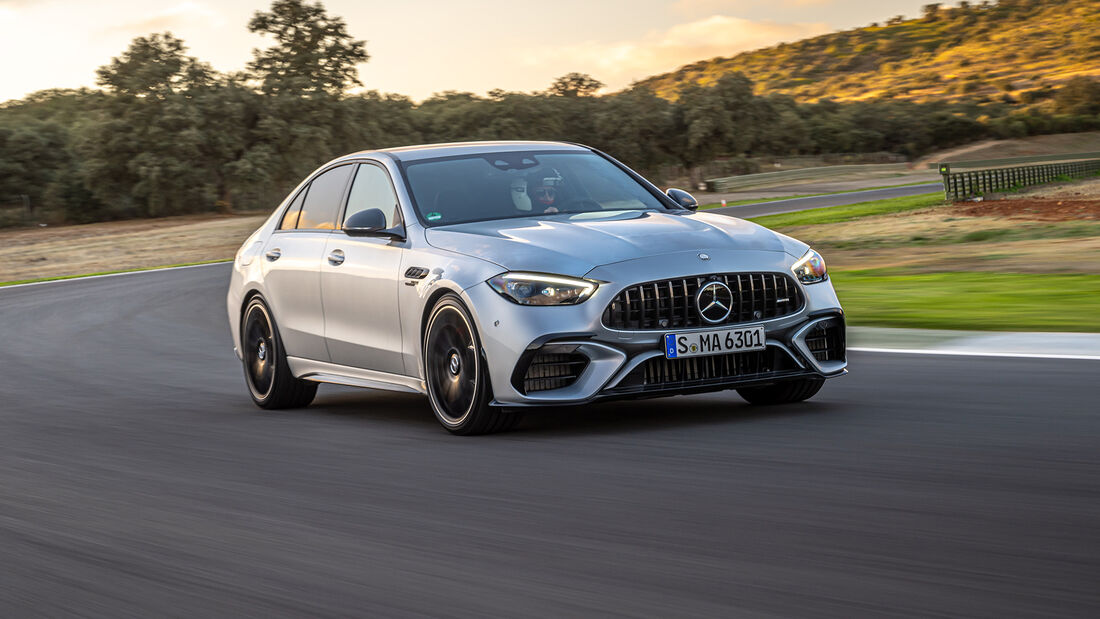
(458, 190)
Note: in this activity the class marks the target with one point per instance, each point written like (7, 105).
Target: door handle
(273, 255)
(336, 258)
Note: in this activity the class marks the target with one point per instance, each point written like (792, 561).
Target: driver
(520, 199)
(545, 189)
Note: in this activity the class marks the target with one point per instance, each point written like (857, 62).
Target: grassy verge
(836, 214)
(62, 277)
(805, 195)
(971, 300)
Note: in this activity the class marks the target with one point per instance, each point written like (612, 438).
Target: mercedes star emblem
(715, 301)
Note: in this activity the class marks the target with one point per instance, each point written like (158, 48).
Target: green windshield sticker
(433, 216)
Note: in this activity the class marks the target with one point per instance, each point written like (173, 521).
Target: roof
(430, 151)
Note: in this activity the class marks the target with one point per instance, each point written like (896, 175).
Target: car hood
(573, 244)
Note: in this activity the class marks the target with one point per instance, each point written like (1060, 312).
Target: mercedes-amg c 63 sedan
(497, 276)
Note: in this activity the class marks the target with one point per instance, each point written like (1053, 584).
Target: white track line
(975, 353)
(82, 278)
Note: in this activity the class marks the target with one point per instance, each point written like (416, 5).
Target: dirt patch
(1087, 189)
(1022, 147)
(1034, 209)
(72, 250)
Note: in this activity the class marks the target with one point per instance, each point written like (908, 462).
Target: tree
(931, 12)
(716, 119)
(313, 52)
(30, 154)
(575, 85)
(144, 155)
(636, 126)
(153, 66)
(1080, 95)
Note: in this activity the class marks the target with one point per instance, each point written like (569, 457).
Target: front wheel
(787, 392)
(270, 382)
(456, 374)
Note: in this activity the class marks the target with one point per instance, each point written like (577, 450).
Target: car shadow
(614, 417)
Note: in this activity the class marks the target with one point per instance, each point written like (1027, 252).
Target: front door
(360, 279)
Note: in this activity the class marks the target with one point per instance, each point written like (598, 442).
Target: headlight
(538, 289)
(810, 269)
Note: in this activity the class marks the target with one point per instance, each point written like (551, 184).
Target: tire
(266, 370)
(787, 392)
(456, 373)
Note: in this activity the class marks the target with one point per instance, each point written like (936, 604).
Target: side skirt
(324, 372)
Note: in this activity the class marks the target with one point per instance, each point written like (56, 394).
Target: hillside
(1014, 48)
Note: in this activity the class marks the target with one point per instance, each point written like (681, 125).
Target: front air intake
(553, 370)
(826, 340)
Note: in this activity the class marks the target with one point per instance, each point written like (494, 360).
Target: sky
(420, 47)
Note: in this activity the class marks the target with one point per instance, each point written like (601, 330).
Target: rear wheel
(782, 393)
(456, 374)
(270, 382)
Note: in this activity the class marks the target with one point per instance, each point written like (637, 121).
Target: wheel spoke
(450, 392)
(261, 372)
(454, 386)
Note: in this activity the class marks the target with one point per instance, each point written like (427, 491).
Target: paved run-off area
(138, 480)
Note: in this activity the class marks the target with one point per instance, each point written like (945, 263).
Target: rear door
(360, 280)
(292, 263)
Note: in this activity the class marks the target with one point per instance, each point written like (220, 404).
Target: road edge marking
(974, 353)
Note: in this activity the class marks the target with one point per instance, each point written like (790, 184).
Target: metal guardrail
(1009, 161)
(745, 181)
(962, 185)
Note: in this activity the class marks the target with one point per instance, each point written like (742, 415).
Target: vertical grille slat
(663, 373)
(826, 340)
(670, 303)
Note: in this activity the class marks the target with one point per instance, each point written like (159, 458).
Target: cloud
(619, 63)
(697, 7)
(173, 18)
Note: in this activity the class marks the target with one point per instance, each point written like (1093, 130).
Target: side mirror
(365, 223)
(683, 198)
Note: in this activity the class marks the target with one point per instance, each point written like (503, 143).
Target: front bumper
(579, 359)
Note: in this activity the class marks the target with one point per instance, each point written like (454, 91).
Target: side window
(290, 218)
(372, 189)
(322, 204)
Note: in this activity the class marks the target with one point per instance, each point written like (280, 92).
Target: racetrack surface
(138, 480)
(792, 205)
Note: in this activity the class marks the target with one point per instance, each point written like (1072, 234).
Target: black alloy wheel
(270, 382)
(457, 381)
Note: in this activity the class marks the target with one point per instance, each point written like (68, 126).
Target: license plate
(717, 342)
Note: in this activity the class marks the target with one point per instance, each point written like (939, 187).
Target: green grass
(835, 214)
(971, 300)
(61, 277)
(805, 195)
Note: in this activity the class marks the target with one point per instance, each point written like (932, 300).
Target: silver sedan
(497, 276)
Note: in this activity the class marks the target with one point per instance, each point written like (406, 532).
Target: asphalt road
(837, 199)
(138, 480)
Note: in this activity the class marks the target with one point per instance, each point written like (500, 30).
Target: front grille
(670, 303)
(826, 340)
(553, 371)
(660, 373)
